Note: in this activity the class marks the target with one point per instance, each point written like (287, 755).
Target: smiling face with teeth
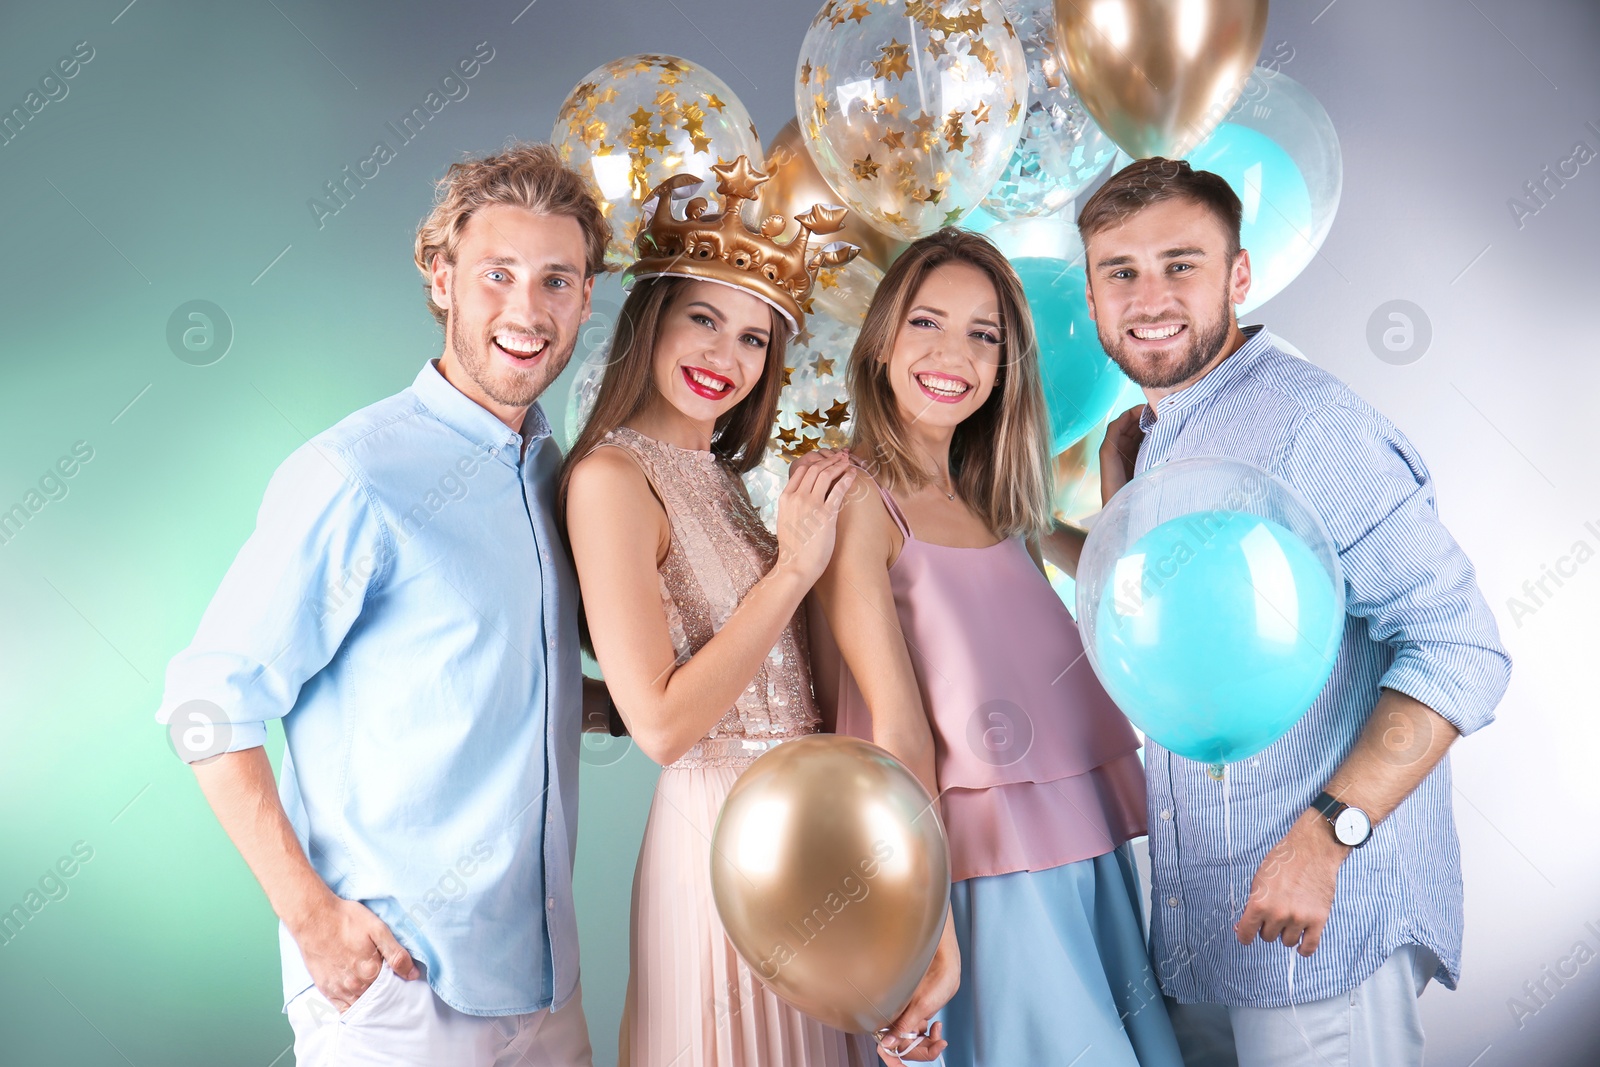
(946, 353)
(514, 300)
(1162, 290)
(711, 350)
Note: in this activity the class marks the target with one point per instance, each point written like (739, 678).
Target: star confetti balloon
(637, 121)
(813, 409)
(910, 108)
(1060, 150)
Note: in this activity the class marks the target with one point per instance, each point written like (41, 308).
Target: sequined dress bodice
(719, 549)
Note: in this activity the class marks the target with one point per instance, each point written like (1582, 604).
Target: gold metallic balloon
(831, 873)
(794, 184)
(1158, 75)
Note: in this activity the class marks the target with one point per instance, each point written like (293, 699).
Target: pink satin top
(1036, 766)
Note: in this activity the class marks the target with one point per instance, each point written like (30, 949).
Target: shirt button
(1166, 813)
(1172, 902)
(550, 903)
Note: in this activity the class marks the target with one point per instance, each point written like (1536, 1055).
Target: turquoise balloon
(1214, 631)
(1276, 224)
(1081, 383)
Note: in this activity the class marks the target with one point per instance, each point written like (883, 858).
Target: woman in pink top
(937, 635)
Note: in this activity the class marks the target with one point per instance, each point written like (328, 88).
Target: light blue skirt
(1054, 970)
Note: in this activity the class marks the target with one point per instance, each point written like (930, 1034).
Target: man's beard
(1202, 349)
(519, 391)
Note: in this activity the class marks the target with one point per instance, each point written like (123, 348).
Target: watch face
(1352, 826)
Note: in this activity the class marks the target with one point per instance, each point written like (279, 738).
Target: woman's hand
(1119, 451)
(938, 985)
(808, 514)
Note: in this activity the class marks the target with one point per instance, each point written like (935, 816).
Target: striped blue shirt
(1417, 623)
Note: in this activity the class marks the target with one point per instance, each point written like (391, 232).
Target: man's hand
(1292, 892)
(1119, 451)
(345, 945)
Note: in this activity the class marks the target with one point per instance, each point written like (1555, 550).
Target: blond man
(406, 608)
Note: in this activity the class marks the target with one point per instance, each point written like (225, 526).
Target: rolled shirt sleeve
(1404, 574)
(282, 610)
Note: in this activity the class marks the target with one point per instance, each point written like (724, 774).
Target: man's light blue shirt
(1417, 623)
(406, 607)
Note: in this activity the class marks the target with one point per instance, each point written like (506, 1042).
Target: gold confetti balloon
(794, 184)
(636, 121)
(813, 409)
(910, 108)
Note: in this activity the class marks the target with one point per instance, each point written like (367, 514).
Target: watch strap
(1329, 805)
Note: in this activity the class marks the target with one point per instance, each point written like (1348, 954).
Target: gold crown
(722, 248)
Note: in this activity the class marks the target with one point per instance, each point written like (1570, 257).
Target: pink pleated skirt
(692, 1002)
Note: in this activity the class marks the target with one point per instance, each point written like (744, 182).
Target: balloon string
(884, 1035)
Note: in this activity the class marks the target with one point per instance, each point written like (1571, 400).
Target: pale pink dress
(691, 1001)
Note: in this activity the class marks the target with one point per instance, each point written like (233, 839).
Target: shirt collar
(472, 420)
(1232, 367)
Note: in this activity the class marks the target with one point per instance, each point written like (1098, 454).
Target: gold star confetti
(858, 12)
(980, 113)
(838, 413)
(892, 139)
(701, 142)
(828, 279)
(1011, 115)
(937, 46)
(804, 337)
(819, 104)
(894, 218)
(954, 137)
(1012, 30)
(805, 72)
(811, 419)
(787, 371)
(640, 117)
(822, 73)
(787, 435)
(666, 98)
(894, 105)
(641, 66)
(866, 168)
(713, 102)
(823, 366)
(984, 54)
(952, 216)
(894, 59)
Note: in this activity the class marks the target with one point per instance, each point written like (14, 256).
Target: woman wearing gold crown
(692, 606)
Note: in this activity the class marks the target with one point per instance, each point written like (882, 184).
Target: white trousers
(1376, 1024)
(400, 1023)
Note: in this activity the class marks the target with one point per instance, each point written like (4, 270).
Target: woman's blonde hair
(1000, 455)
(525, 174)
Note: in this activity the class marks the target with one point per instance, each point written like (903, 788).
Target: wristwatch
(1351, 826)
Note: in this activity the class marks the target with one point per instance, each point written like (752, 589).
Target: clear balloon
(1061, 150)
(1211, 601)
(794, 184)
(1280, 152)
(831, 875)
(637, 121)
(813, 409)
(910, 108)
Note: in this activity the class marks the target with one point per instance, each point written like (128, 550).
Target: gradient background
(179, 167)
